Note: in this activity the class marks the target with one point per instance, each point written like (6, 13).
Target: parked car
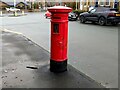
(101, 15)
(12, 9)
(72, 16)
(48, 14)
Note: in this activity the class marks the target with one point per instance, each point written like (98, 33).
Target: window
(85, 2)
(101, 2)
(93, 11)
(107, 2)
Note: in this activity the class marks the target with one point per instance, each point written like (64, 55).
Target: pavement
(26, 65)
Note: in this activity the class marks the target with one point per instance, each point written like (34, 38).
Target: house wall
(92, 3)
(43, 3)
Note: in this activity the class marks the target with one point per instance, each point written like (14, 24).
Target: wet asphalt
(26, 65)
(93, 49)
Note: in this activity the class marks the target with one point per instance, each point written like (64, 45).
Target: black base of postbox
(58, 67)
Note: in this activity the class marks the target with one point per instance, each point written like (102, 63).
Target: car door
(93, 15)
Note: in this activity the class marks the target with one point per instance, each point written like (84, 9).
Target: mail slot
(56, 28)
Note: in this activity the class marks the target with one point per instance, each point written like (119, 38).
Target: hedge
(78, 11)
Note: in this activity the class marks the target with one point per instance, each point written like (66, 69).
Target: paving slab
(26, 65)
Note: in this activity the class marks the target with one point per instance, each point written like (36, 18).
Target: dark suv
(101, 15)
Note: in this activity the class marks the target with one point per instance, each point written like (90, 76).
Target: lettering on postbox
(56, 28)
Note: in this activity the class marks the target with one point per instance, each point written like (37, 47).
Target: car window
(71, 13)
(99, 10)
(102, 9)
(93, 11)
(106, 10)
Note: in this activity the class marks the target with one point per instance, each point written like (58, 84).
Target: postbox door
(58, 41)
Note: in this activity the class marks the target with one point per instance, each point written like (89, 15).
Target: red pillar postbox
(59, 38)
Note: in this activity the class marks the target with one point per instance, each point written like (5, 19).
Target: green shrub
(71, 4)
(78, 12)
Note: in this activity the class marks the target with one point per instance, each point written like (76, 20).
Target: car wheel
(102, 21)
(82, 19)
(114, 23)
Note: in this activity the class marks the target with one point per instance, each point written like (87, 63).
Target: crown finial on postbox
(59, 9)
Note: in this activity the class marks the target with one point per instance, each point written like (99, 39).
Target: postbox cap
(59, 9)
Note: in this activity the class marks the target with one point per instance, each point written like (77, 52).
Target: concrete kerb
(12, 15)
(16, 15)
(6, 30)
(82, 74)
